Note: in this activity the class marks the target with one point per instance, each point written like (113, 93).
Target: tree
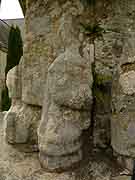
(6, 101)
(15, 48)
(15, 51)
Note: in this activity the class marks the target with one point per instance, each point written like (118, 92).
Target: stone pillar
(66, 112)
(66, 82)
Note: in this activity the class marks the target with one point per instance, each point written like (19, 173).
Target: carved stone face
(66, 112)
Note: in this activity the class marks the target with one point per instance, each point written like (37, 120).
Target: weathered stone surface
(105, 61)
(63, 73)
(21, 119)
(61, 134)
(13, 82)
(47, 40)
(127, 82)
(101, 106)
(39, 51)
(66, 111)
(126, 162)
(122, 178)
(21, 123)
(70, 80)
(115, 46)
(57, 64)
(122, 123)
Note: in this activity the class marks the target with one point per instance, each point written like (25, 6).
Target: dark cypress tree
(15, 48)
(6, 101)
(15, 51)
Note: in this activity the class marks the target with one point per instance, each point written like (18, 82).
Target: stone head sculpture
(66, 112)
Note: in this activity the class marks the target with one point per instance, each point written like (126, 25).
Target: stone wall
(76, 102)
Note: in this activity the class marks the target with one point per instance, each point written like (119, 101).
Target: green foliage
(99, 86)
(6, 101)
(15, 48)
(94, 30)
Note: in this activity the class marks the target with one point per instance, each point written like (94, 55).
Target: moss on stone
(99, 96)
(99, 84)
(101, 79)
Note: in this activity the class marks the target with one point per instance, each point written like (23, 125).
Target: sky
(10, 9)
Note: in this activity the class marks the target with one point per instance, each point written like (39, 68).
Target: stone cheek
(67, 111)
